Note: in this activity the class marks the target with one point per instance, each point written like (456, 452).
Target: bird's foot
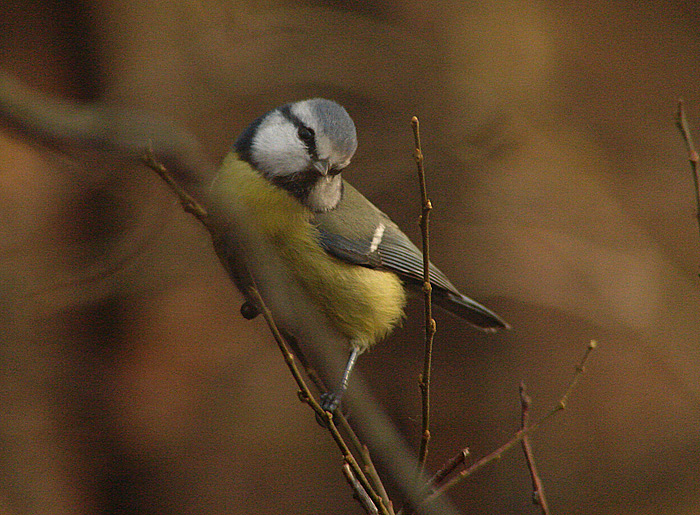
(331, 400)
(329, 403)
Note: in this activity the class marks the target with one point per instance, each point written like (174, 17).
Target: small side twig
(430, 326)
(360, 492)
(538, 496)
(450, 466)
(693, 157)
(522, 433)
(188, 203)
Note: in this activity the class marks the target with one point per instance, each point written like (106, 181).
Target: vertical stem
(682, 124)
(430, 327)
(538, 496)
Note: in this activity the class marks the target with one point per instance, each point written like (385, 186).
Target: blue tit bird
(347, 258)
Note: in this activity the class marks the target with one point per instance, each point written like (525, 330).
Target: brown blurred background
(129, 383)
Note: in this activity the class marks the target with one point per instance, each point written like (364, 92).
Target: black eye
(306, 134)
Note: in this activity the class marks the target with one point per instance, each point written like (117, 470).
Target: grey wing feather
(403, 257)
(396, 253)
(352, 251)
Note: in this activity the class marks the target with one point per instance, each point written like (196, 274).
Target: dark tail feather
(469, 310)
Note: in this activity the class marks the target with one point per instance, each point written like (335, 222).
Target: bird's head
(302, 147)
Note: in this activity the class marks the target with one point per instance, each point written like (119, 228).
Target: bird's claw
(329, 404)
(330, 401)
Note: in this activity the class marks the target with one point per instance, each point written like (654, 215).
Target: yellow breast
(364, 304)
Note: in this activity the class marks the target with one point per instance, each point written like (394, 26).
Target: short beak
(322, 165)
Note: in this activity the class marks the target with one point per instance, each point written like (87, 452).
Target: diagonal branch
(520, 435)
(99, 126)
(359, 478)
(360, 492)
(456, 461)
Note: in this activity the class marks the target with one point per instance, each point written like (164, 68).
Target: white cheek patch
(277, 149)
(377, 237)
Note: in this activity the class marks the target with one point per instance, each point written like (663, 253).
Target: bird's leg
(331, 400)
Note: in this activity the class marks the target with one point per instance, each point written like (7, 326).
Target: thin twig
(362, 451)
(306, 397)
(254, 295)
(359, 449)
(538, 496)
(430, 326)
(682, 124)
(449, 467)
(522, 433)
(360, 493)
(189, 204)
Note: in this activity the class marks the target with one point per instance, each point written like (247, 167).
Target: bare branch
(538, 496)
(101, 127)
(189, 204)
(360, 492)
(253, 294)
(518, 437)
(449, 467)
(430, 326)
(682, 124)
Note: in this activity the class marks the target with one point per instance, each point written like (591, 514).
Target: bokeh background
(129, 383)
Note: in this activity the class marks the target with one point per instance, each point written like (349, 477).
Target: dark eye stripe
(306, 134)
